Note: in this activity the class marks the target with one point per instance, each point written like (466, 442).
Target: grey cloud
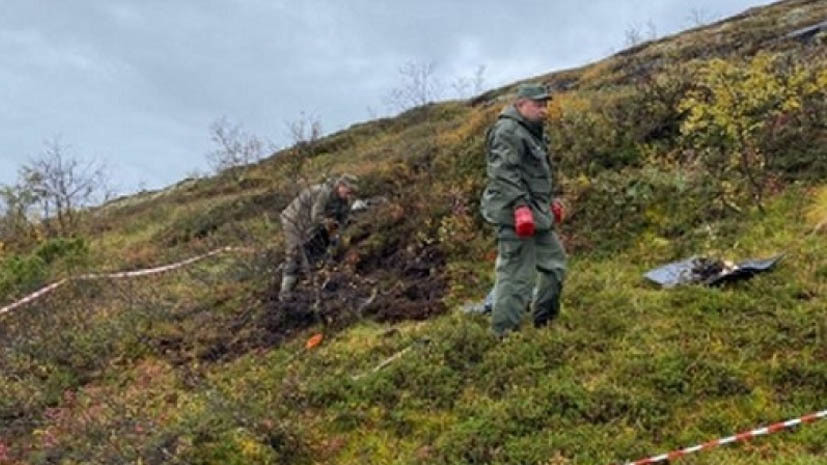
(138, 82)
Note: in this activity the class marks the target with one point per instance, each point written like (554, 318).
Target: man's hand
(558, 210)
(330, 225)
(523, 222)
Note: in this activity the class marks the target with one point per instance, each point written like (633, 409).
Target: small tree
(651, 30)
(731, 110)
(234, 147)
(633, 35)
(419, 86)
(465, 87)
(698, 17)
(304, 132)
(60, 185)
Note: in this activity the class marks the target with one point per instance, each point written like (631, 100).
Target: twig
(384, 363)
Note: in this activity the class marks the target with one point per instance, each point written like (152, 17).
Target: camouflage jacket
(518, 171)
(313, 205)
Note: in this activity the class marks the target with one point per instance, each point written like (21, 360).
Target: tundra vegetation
(708, 142)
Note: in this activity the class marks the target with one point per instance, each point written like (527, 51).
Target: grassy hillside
(708, 142)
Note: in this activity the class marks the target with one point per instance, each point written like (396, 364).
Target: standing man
(320, 208)
(518, 201)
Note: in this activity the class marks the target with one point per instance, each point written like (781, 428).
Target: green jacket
(518, 171)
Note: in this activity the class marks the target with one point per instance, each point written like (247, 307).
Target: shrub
(20, 274)
(609, 129)
(23, 273)
(73, 251)
(613, 209)
(734, 112)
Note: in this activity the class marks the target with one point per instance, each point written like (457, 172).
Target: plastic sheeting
(711, 272)
(480, 308)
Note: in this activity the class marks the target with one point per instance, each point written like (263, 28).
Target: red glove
(523, 222)
(558, 210)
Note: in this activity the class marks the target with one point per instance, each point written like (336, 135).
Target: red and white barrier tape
(774, 428)
(119, 275)
(670, 456)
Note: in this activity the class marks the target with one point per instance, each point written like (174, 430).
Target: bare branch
(633, 35)
(58, 186)
(479, 79)
(651, 30)
(465, 87)
(419, 86)
(234, 146)
(699, 17)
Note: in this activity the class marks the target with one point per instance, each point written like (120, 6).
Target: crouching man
(318, 209)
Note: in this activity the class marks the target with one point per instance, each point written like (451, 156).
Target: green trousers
(537, 264)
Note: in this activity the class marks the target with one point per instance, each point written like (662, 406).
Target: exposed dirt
(384, 280)
(405, 285)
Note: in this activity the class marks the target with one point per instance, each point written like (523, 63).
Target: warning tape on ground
(118, 275)
(774, 428)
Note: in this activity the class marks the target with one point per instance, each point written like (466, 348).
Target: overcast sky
(137, 83)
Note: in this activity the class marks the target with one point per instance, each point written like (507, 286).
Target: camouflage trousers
(537, 264)
(301, 252)
(292, 258)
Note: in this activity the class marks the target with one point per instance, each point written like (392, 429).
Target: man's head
(532, 100)
(346, 186)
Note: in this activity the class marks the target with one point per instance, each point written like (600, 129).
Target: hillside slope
(708, 142)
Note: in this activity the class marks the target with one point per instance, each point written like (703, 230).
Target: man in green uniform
(320, 208)
(518, 201)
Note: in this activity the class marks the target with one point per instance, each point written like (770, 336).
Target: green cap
(349, 180)
(533, 92)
